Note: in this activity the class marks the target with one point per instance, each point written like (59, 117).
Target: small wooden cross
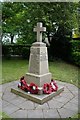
(39, 29)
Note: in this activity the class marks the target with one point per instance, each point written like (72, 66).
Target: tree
(20, 18)
(11, 16)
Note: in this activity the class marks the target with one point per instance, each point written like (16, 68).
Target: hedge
(13, 49)
(75, 52)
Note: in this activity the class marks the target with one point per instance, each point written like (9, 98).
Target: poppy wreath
(53, 85)
(47, 89)
(33, 88)
(23, 85)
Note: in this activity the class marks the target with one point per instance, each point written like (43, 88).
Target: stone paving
(64, 105)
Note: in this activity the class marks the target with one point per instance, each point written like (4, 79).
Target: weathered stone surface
(18, 100)
(4, 103)
(38, 67)
(19, 114)
(9, 97)
(62, 99)
(55, 104)
(65, 113)
(39, 44)
(38, 63)
(27, 105)
(35, 114)
(44, 106)
(10, 108)
(39, 29)
(39, 80)
(51, 113)
(71, 106)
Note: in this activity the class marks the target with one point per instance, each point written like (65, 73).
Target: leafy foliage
(20, 18)
(75, 52)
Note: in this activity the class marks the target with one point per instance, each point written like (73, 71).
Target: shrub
(13, 49)
(25, 52)
(76, 58)
(75, 53)
(6, 51)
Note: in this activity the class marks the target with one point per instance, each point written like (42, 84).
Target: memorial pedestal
(38, 72)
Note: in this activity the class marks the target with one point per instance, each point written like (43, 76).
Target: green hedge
(75, 53)
(13, 49)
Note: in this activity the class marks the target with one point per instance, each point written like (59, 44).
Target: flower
(47, 88)
(23, 85)
(33, 88)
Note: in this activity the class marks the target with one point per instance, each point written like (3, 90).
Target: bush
(75, 53)
(76, 58)
(13, 49)
(25, 52)
(6, 51)
(60, 48)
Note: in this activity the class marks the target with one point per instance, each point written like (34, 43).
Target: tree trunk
(12, 37)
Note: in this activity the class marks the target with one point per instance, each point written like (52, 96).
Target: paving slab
(62, 99)
(4, 103)
(51, 113)
(65, 113)
(20, 114)
(28, 105)
(10, 108)
(43, 106)
(19, 100)
(55, 104)
(71, 106)
(35, 114)
(64, 105)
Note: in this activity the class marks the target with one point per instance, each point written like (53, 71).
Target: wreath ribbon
(53, 85)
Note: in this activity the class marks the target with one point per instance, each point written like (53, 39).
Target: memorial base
(40, 99)
(39, 80)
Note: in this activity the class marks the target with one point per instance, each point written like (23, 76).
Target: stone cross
(39, 29)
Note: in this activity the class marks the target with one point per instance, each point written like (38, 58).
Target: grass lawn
(66, 72)
(13, 69)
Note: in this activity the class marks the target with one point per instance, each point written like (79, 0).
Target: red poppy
(33, 88)
(23, 85)
(47, 88)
